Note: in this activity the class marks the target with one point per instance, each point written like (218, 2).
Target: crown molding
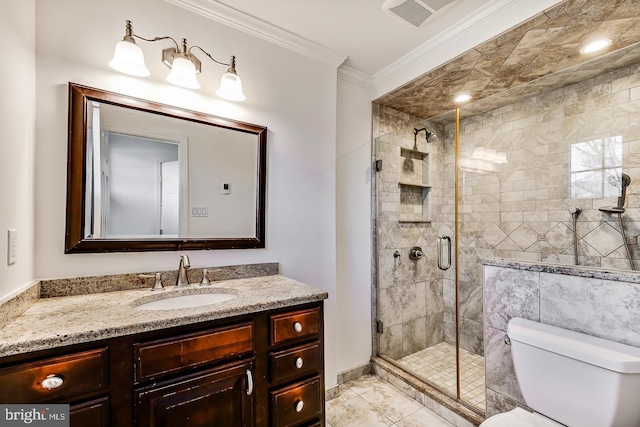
(249, 24)
(489, 20)
(357, 77)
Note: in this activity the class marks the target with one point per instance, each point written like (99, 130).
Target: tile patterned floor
(437, 365)
(369, 401)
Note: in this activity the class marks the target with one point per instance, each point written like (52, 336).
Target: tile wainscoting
(592, 301)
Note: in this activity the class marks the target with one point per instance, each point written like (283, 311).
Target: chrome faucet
(185, 264)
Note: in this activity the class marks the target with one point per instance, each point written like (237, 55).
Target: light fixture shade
(231, 87)
(183, 73)
(129, 59)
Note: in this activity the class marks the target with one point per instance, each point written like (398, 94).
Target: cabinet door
(94, 413)
(217, 397)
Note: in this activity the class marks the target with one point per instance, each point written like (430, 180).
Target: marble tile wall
(604, 305)
(515, 210)
(520, 209)
(410, 293)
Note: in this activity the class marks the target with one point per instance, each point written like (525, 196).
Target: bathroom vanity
(254, 360)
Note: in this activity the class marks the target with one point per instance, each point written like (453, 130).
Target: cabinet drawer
(81, 373)
(295, 324)
(295, 362)
(297, 403)
(178, 353)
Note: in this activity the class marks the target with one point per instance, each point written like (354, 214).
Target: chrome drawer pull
(299, 406)
(297, 326)
(52, 381)
(249, 383)
(299, 362)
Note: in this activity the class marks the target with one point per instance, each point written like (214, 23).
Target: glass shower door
(410, 235)
(429, 309)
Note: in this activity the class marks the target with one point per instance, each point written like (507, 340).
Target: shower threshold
(431, 395)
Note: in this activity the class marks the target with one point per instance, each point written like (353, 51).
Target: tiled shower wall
(515, 210)
(520, 209)
(410, 301)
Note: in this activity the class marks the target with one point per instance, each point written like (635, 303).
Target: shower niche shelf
(414, 187)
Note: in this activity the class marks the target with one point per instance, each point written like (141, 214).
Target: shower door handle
(441, 265)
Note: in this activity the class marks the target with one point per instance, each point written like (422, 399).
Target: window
(596, 168)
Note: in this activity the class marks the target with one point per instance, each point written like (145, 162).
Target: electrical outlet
(12, 247)
(199, 211)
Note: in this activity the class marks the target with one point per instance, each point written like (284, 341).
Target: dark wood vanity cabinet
(258, 370)
(216, 397)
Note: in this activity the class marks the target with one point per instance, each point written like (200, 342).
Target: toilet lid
(519, 418)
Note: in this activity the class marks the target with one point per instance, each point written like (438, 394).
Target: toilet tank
(576, 379)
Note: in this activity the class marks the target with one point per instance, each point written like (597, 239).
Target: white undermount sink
(179, 301)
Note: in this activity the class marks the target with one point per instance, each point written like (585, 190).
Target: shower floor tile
(437, 365)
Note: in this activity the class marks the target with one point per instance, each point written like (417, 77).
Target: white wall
(134, 175)
(17, 135)
(292, 95)
(353, 224)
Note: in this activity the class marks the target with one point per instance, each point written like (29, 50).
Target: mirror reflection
(147, 172)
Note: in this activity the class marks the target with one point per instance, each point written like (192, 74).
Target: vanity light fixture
(595, 46)
(464, 97)
(129, 59)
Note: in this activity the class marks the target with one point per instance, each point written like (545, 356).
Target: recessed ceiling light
(595, 46)
(462, 98)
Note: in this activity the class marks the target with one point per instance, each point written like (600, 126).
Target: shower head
(429, 136)
(626, 180)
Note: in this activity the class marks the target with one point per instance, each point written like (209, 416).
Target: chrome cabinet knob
(299, 406)
(299, 362)
(52, 381)
(297, 327)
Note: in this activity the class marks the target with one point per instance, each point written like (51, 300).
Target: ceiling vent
(415, 12)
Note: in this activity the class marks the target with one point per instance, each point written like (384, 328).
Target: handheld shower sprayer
(625, 180)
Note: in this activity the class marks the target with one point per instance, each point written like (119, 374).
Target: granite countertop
(56, 322)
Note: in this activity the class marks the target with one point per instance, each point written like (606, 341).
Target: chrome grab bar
(442, 266)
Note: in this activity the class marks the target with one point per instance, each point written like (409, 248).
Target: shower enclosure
(547, 179)
(427, 324)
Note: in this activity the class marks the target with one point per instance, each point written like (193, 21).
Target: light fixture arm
(230, 64)
(129, 35)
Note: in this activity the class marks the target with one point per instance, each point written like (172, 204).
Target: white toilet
(571, 379)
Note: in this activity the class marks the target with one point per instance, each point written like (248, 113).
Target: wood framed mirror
(144, 176)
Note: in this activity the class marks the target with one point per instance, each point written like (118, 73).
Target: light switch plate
(12, 247)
